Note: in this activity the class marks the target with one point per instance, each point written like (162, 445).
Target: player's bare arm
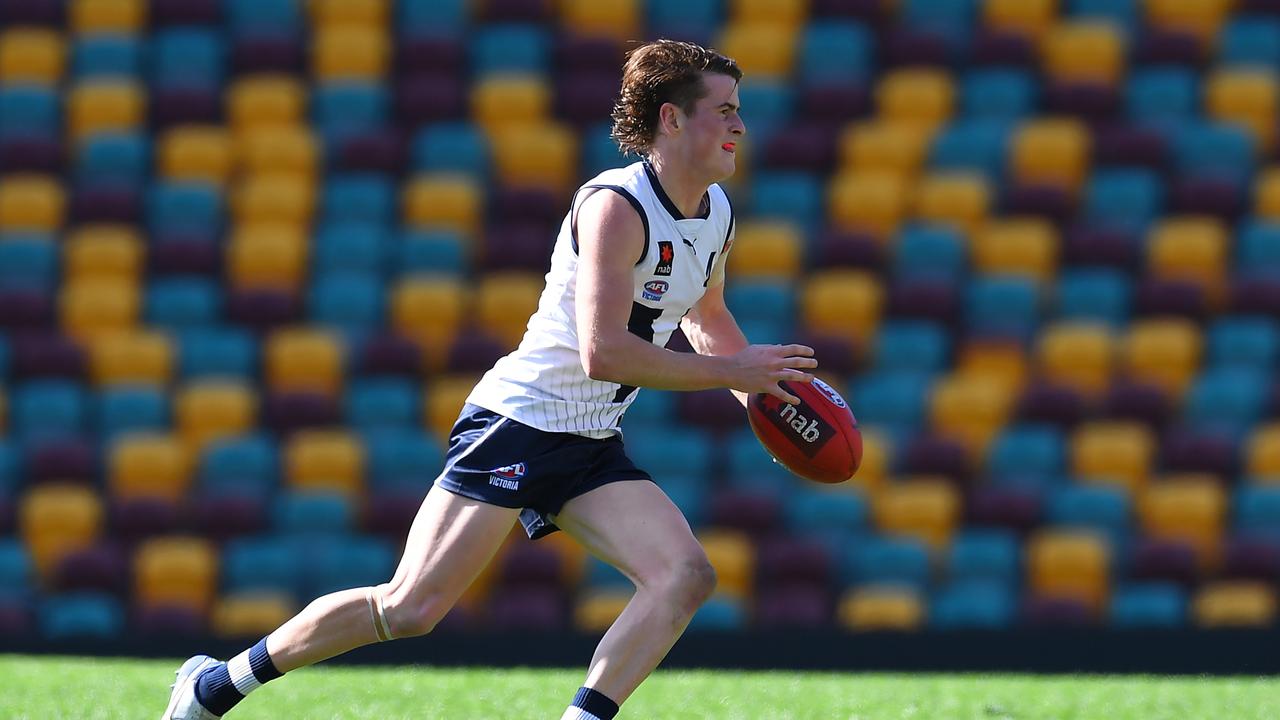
(610, 237)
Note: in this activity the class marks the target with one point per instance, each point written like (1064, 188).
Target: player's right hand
(759, 369)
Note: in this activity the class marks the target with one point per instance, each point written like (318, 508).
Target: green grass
(49, 688)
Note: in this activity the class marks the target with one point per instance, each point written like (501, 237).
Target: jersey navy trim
(573, 221)
(666, 199)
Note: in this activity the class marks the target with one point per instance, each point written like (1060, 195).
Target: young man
(641, 251)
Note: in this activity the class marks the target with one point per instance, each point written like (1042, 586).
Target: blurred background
(254, 253)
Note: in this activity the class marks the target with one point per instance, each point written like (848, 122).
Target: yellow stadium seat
(108, 16)
(270, 256)
(597, 609)
(885, 607)
(873, 202)
(91, 308)
(1164, 352)
(132, 358)
(176, 572)
(763, 50)
(540, 156)
(450, 202)
(195, 152)
(731, 554)
(266, 100)
(104, 252)
(1190, 510)
(270, 199)
(500, 100)
(1051, 152)
(276, 151)
(504, 302)
(31, 202)
(1084, 51)
(325, 460)
(873, 471)
(843, 303)
(250, 615)
(430, 310)
(956, 199)
(1120, 453)
(1235, 604)
(31, 55)
(1191, 248)
(926, 510)
(1028, 18)
(972, 409)
(1262, 453)
(1266, 194)
(882, 146)
(1017, 246)
(1078, 355)
(443, 401)
(350, 53)
(1202, 18)
(150, 466)
(1248, 97)
(996, 361)
(103, 106)
(915, 96)
(303, 360)
(619, 20)
(766, 249)
(786, 13)
(57, 519)
(349, 13)
(1069, 564)
(211, 409)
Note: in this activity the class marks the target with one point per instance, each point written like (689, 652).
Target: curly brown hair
(662, 71)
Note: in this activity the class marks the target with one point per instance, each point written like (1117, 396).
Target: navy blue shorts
(499, 461)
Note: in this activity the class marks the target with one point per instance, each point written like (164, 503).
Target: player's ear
(670, 118)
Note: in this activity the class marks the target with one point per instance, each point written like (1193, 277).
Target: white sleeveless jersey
(542, 382)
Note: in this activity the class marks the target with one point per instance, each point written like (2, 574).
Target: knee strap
(377, 614)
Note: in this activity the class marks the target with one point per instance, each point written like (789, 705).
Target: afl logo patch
(511, 472)
(830, 393)
(655, 289)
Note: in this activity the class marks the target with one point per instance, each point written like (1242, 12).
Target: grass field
(52, 688)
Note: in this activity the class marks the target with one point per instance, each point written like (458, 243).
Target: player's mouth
(729, 147)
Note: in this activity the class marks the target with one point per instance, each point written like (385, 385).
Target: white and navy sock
(220, 688)
(590, 705)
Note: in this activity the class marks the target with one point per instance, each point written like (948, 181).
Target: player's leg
(636, 528)
(451, 540)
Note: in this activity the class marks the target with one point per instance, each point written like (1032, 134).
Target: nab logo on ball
(655, 289)
(508, 477)
(813, 431)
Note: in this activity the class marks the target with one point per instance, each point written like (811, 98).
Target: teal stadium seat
(910, 346)
(452, 147)
(836, 52)
(431, 251)
(401, 458)
(424, 18)
(510, 48)
(343, 107)
(762, 300)
(28, 262)
(48, 409)
(836, 518)
(719, 613)
(377, 402)
(1027, 455)
(1243, 342)
(131, 409)
(795, 197)
(1162, 94)
(1124, 199)
(358, 198)
(1257, 510)
(599, 151)
(1258, 248)
(691, 494)
(1219, 150)
(81, 615)
(892, 402)
(348, 301)
(1125, 14)
(267, 564)
(114, 157)
(973, 605)
(17, 572)
(600, 574)
(103, 55)
(185, 208)
(1148, 605)
(29, 110)
(952, 20)
(1094, 295)
(356, 247)
(341, 562)
(694, 20)
(263, 18)
(1106, 508)
(217, 352)
(5, 357)
(1250, 40)
(984, 556)
(929, 252)
(179, 303)
(1004, 306)
(1227, 399)
(972, 145)
(686, 453)
(241, 465)
(187, 57)
(751, 469)
(998, 94)
(313, 513)
(887, 560)
(767, 105)
(650, 408)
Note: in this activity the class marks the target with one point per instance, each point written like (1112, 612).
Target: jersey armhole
(573, 215)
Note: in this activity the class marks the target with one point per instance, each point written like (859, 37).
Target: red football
(817, 439)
